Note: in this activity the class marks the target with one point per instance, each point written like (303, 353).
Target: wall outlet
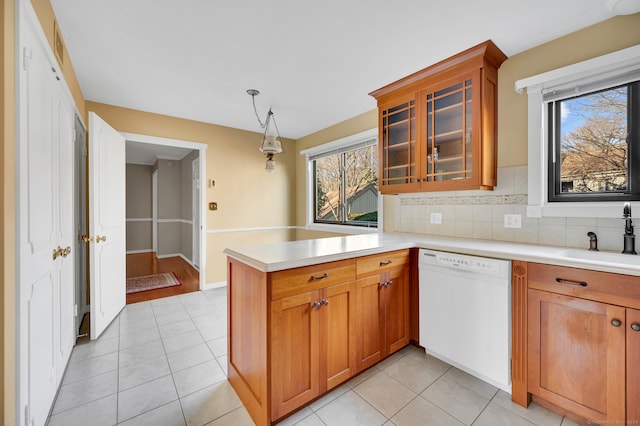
(436, 218)
(513, 221)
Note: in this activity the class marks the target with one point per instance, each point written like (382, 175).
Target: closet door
(45, 235)
(37, 217)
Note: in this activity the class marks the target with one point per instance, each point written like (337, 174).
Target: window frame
(633, 153)
(339, 145)
(610, 70)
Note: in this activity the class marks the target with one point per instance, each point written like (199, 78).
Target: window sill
(342, 229)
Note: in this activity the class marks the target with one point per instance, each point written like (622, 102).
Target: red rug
(152, 282)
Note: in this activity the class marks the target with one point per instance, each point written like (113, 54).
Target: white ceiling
(148, 154)
(314, 62)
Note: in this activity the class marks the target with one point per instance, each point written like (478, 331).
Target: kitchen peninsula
(281, 355)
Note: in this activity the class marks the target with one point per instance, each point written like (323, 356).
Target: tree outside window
(346, 187)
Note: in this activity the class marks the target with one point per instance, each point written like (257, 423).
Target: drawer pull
(388, 262)
(571, 282)
(635, 326)
(318, 277)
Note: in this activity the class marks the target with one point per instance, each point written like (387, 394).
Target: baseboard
(219, 284)
(164, 256)
(139, 251)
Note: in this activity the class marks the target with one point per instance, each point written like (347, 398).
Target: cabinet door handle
(315, 305)
(318, 277)
(388, 262)
(616, 322)
(635, 326)
(324, 302)
(571, 282)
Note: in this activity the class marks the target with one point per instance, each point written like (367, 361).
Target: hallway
(140, 264)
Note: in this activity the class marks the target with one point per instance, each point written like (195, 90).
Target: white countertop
(293, 254)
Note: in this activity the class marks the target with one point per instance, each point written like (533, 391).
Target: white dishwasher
(465, 313)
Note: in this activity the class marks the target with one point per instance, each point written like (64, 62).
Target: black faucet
(593, 241)
(629, 237)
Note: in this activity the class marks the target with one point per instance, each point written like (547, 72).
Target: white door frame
(202, 151)
(154, 212)
(195, 212)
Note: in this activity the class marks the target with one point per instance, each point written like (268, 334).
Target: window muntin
(346, 187)
(594, 145)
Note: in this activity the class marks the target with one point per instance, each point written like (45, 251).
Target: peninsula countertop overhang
(294, 254)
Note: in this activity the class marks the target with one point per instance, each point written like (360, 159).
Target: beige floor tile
(335, 393)
(422, 412)
(495, 415)
(385, 394)
(146, 397)
(238, 417)
(209, 404)
(349, 410)
(465, 379)
(457, 400)
(414, 373)
(534, 413)
(166, 415)
(102, 412)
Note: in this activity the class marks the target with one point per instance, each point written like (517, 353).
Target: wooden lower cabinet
(582, 351)
(383, 315)
(633, 366)
(313, 345)
(577, 355)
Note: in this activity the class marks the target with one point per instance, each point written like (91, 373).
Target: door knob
(57, 253)
(99, 238)
(85, 238)
(66, 251)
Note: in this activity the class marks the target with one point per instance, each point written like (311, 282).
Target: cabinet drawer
(617, 289)
(299, 280)
(377, 263)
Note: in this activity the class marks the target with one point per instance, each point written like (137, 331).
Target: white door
(44, 228)
(66, 235)
(106, 224)
(195, 177)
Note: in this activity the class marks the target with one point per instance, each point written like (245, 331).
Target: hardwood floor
(140, 264)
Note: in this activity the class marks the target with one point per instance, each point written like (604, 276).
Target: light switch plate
(436, 218)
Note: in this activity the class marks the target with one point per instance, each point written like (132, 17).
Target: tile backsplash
(480, 214)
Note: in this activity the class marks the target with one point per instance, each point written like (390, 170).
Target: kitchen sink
(601, 256)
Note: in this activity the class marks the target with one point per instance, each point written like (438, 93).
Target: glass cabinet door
(448, 127)
(398, 144)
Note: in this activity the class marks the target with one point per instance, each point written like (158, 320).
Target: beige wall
(247, 196)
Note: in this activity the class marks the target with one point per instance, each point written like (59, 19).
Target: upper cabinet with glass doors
(437, 127)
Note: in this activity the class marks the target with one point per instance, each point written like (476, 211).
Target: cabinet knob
(635, 326)
(616, 322)
(324, 302)
(315, 305)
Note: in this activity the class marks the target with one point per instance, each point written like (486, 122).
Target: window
(583, 156)
(342, 183)
(594, 149)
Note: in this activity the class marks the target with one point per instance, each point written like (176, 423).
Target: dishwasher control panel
(477, 264)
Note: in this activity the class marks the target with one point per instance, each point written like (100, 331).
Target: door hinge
(75, 310)
(26, 54)
(26, 415)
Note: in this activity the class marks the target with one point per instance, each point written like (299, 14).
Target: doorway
(164, 226)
